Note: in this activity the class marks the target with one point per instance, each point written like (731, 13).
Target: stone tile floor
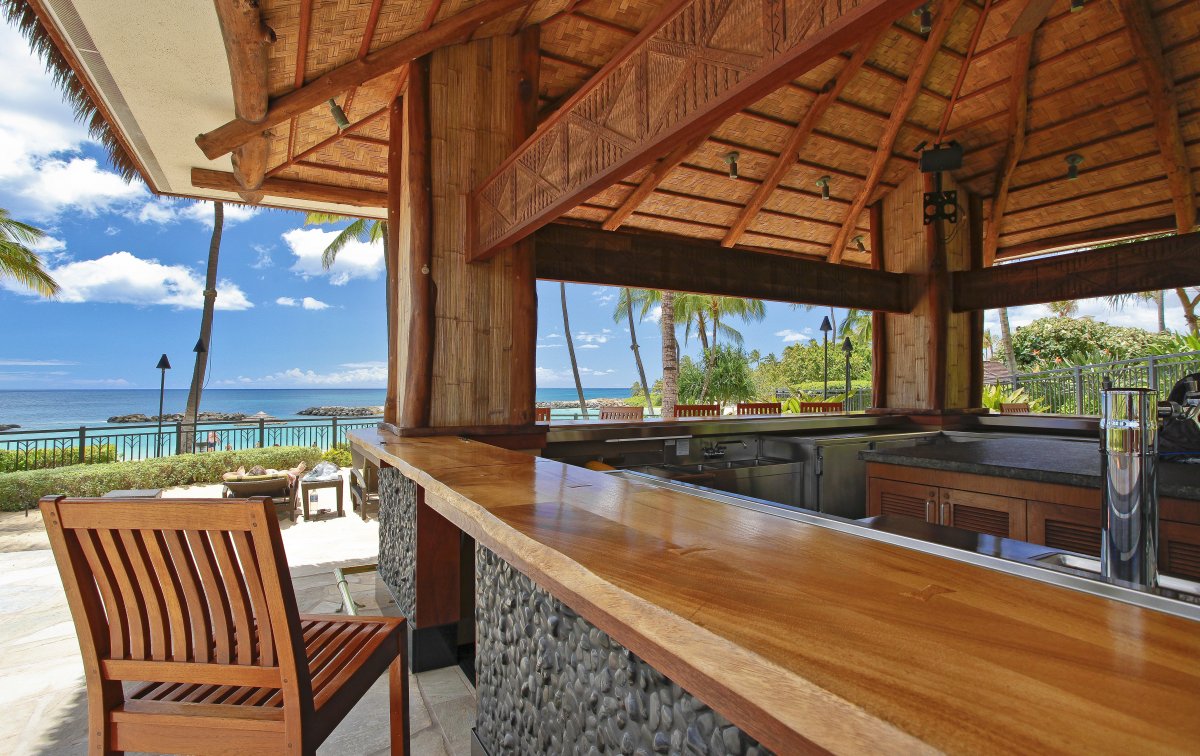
(41, 674)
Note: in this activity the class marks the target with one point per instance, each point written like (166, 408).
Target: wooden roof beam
(1147, 47)
(246, 39)
(655, 177)
(625, 118)
(231, 135)
(205, 178)
(1092, 236)
(1149, 265)
(655, 261)
(891, 132)
(1018, 124)
(796, 140)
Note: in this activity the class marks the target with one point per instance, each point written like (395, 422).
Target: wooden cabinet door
(1179, 549)
(1062, 527)
(1001, 516)
(896, 497)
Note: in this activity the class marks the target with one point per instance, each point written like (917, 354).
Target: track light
(1076, 5)
(339, 115)
(858, 242)
(926, 17)
(823, 182)
(732, 159)
(1073, 161)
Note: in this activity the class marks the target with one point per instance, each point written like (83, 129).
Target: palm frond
(25, 267)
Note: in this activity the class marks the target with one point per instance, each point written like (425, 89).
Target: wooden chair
(364, 485)
(697, 410)
(541, 414)
(759, 408)
(811, 408)
(622, 413)
(192, 599)
(1014, 408)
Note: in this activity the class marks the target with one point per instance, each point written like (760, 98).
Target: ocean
(66, 409)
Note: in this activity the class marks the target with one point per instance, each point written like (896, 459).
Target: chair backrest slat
(622, 413)
(157, 627)
(759, 408)
(214, 590)
(172, 595)
(129, 599)
(193, 605)
(265, 652)
(1014, 408)
(815, 407)
(117, 627)
(238, 597)
(697, 410)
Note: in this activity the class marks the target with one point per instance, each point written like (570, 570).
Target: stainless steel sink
(737, 464)
(768, 478)
(1065, 562)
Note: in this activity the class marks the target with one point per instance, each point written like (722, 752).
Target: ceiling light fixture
(339, 115)
(1073, 162)
(858, 242)
(1076, 5)
(926, 18)
(732, 159)
(823, 182)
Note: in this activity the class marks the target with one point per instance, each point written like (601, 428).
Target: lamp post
(847, 348)
(163, 365)
(826, 327)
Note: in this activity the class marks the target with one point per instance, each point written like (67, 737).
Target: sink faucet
(1129, 486)
(716, 449)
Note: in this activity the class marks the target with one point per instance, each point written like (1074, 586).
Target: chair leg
(398, 697)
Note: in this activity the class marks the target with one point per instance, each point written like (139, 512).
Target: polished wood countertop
(810, 638)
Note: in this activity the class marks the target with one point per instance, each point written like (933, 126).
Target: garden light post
(847, 348)
(163, 365)
(826, 327)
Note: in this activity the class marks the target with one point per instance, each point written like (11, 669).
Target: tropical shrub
(996, 394)
(37, 459)
(339, 455)
(19, 489)
(1059, 342)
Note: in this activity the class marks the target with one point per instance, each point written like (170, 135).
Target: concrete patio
(41, 674)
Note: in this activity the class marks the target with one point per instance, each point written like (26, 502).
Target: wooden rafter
(1091, 236)
(972, 46)
(246, 38)
(795, 142)
(343, 134)
(1147, 47)
(658, 261)
(1018, 123)
(226, 138)
(891, 132)
(655, 177)
(205, 178)
(650, 97)
(302, 34)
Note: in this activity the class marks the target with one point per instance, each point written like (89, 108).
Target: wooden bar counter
(812, 639)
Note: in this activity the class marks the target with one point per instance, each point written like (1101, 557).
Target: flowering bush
(1060, 342)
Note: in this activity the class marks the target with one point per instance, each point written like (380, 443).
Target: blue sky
(132, 270)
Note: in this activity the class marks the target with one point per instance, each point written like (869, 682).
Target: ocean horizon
(62, 408)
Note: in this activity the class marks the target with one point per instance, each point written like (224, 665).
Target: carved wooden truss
(702, 62)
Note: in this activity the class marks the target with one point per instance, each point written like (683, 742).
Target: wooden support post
(246, 40)
(416, 405)
(392, 259)
(523, 355)
(937, 293)
(975, 324)
(879, 350)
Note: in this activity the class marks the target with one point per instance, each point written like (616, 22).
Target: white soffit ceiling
(162, 71)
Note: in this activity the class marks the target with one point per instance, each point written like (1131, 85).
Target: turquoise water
(67, 409)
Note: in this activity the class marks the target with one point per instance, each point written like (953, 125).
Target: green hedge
(20, 488)
(36, 459)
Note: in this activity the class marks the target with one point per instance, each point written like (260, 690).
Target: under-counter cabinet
(1050, 514)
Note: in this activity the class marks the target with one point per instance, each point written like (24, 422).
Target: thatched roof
(1088, 95)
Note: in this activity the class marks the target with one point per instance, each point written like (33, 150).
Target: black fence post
(262, 432)
(82, 441)
(334, 435)
(179, 437)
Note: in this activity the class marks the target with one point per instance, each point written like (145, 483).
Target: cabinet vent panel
(1072, 536)
(897, 504)
(1182, 559)
(979, 520)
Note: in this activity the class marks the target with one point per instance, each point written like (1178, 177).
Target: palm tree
(206, 323)
(751, 310)
(1118, 302)
(1010, 357)
(856, 323)
(670, 355)
(624, 309)
(1063, 308)
(989, 344)
(562, 290)
(360, 229)
(18, 261)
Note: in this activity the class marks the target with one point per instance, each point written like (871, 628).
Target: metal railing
(26, 449)
(1076, 390)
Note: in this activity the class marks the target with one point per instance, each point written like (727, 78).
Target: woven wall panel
(908, 353)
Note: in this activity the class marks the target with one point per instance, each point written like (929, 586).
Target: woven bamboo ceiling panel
(1088, 96)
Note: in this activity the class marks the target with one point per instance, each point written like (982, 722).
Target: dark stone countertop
(1071, 463)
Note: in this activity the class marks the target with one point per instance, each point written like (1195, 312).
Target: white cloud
(790, 336)
(34, 363)
(585, 337)
(285, 302)
(123, 278)
(78, 184)
(604, 296)
(309, 303)
(549, 346)
(355, 260)
(165, 210)
(365, 374)
(590, 371)
(655, 314)
(554, 335)
(588, 346)
(100, 382)
(263, 259)
(112, 231)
